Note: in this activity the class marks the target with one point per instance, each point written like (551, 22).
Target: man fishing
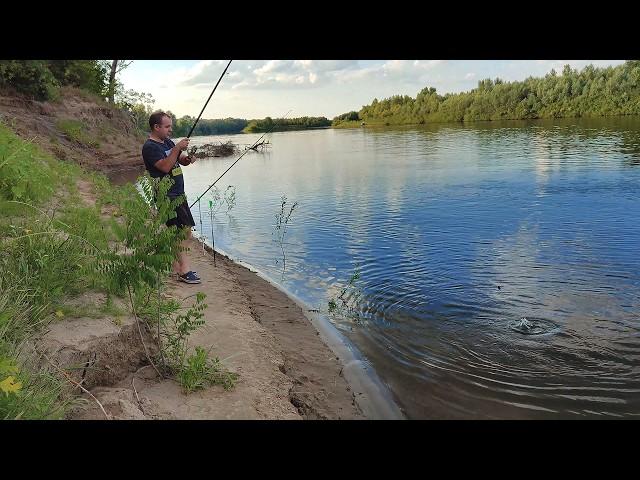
(162, 157)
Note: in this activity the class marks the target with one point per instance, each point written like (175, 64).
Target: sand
(285, 369)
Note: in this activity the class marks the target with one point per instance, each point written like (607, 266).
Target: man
(163, 157)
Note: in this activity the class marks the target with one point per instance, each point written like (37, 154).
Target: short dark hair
(156, 118)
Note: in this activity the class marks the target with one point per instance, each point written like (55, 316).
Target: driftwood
(262, 145)
(208, 150)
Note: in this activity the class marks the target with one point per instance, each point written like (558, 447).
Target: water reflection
(460, 231)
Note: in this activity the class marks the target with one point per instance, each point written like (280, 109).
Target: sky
(261, 88)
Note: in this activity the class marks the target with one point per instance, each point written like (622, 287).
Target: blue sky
(260, 88)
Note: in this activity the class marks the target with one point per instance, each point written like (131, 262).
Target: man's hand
(187, 160)
(183, 144)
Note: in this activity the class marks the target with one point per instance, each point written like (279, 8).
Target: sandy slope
(286, 371)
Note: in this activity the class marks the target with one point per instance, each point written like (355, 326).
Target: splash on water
(531, 327)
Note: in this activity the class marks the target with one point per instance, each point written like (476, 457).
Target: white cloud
(269, 74)
(279, 74)
(201, 73)
(406, 71)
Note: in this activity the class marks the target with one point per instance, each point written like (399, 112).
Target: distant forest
(181, 126)
(591, 92)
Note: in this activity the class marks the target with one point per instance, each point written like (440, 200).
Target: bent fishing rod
(207, 102)
(238, 159)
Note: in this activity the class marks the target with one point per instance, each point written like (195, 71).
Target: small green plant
(346, 303)
(217, 201)
(176, 333)
(194, 371)
(200, 370)
(153, 306)
(174, 328)
(280, 227)
(140, 269)
(230, 197)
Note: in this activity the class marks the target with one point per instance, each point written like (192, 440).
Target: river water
(498, 264)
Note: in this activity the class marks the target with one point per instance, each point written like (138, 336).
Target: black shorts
(183, 217)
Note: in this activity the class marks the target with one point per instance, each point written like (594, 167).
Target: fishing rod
(243, 154)
(205, 105)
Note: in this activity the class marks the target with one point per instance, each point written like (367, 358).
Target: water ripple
(498, 262)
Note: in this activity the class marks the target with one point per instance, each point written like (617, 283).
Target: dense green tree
(592, 91)
(30, 77)
(115, 67)
(223, 126)
(282, 124)
(41, 79)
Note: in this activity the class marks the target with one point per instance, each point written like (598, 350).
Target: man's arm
(166, 164)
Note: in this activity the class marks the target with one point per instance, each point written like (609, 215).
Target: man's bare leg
(181, 266)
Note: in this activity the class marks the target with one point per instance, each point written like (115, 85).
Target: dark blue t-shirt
(153, 151)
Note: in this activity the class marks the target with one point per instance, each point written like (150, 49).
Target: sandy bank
(286, 369)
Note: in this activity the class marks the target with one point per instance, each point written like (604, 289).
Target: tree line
(229, 126)
(283, 124)
(223, 126)
(592, 91)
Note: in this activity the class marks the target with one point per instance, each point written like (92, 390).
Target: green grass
(25, 172)
(27, 390)
(47, 257)
(77, 131)
(55, 248)
(107, 309)
(38, 391)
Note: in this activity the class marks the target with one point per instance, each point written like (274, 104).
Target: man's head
(161, 125)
